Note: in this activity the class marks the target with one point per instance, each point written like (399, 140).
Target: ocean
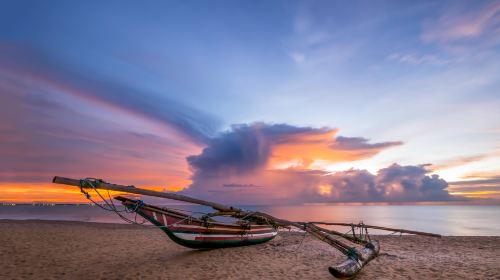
(466, 220)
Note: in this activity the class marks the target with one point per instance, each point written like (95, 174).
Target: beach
(78, 250)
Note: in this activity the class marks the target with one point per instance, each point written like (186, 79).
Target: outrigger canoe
(200, 233)
(251, 227)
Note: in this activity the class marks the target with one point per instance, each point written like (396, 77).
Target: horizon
(420, 203)
(262, 103)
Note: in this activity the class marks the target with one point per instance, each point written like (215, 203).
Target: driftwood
(349, 268)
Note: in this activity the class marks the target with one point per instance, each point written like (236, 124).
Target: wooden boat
(198, 233)
(251, 227)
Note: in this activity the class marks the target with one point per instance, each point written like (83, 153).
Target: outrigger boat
(250, 228)
(201, 233)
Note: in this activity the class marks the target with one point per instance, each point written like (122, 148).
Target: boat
(200, 233)
(249, 228)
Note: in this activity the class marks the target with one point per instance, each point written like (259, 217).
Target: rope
(367, 235)
(361, 226)
(187, 218)
(249, 215)
(109, 205)
(353, 254)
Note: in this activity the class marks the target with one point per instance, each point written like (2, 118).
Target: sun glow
(478, 194)
(325, 189)
(36, 192)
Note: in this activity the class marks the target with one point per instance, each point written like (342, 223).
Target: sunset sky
(253, 102)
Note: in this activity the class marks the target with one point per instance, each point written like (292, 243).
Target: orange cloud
(478, 194)
(302, 149)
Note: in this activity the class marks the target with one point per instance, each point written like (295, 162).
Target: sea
(463, 220)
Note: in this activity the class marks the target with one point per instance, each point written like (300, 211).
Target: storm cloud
(250, 155)
(395, 183)
(248, 147)
(314, 186)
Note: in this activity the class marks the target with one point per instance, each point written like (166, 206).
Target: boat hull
(198, 234)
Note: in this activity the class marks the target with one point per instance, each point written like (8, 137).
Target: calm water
(442, 219)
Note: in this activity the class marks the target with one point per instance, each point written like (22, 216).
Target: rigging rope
(109, 205)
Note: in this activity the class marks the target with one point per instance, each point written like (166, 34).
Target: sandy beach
(76, 250)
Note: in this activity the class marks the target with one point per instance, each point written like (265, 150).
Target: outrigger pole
(400, 230)
(349, 268)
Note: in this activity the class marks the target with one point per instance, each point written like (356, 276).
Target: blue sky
(425, 73)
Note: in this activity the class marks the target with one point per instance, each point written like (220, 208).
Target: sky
(253, 102)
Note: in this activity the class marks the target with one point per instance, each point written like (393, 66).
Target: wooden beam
(381, 228)
(343, 235)
(99, 184)
(309, 228)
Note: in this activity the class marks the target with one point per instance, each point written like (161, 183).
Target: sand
(74, 250)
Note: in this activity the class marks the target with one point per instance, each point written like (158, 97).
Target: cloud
(42, 136)
(489, 182)
(459, 161)
(482, 174)
(57, 118)
(246, 148)
(464, 23)
(250, 156)
(359, 143)
(395, 183)
(241, 186)
(411, 183)
(298, 57)
(42, 70)
(488, 187)
(416, 59)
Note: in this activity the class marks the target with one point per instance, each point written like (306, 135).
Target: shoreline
(118, 222)
(84, 250)
(152, 226)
